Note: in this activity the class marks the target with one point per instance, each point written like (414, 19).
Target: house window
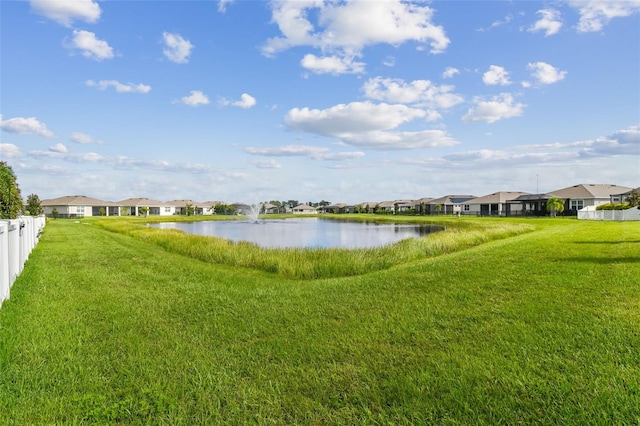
(577, 204)
(466, 207)
(167, 209)
(80, 209)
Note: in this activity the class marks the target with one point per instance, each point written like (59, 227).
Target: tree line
(11, 203)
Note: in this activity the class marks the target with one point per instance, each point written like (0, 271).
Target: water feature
(305, 232)
(254, 212)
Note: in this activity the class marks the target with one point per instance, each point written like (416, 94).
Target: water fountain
(254, 212)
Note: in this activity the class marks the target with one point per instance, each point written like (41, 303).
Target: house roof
(496, 197)
(425, 200)
(141, 202)
(531, 197)
(303, 207)
(209, 203)
(77, 200)
(452, 199)
(627, 192)
(586, 191)
(182, 203)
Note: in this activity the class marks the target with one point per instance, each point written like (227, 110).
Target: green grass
(538, 327)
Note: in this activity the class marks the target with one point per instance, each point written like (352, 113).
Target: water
(305, 232)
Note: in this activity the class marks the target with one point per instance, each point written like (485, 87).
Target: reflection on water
(305, 233)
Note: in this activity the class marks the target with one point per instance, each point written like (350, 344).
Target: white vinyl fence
(17, 238)
(591, 213)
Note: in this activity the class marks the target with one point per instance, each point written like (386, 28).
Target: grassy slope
(538, 328)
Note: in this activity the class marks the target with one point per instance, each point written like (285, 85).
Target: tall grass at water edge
(322, 263)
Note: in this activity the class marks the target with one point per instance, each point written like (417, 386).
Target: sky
(310, 100)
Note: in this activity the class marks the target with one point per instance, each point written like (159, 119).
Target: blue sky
(345, 101)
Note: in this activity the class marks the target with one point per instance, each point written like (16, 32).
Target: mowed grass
(541, 327)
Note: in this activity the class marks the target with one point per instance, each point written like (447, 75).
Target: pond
(305, 232)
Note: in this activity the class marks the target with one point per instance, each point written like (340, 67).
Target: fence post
(4, 261)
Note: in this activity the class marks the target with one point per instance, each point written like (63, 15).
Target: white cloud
(194, 99)
(9, 150)
(365, 124)
(417, 91)
(343, 29)
(550, 22)
(621, 142)
(59, 147)
(450, 72)
(595, 14)
(349, 118)
(332, 64)
(90, 46)
(496, 76)
(384, 140)
(119, 87)
(498, 108)
(545, 73)
(389, 61)
(267, 164)
(83, 138)
(65, 12)
(497, 24)
(24, 126)
(246, 101)
(177, 49)
(314, 152)
(222, 5)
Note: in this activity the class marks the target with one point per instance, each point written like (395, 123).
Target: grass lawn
(539, 324)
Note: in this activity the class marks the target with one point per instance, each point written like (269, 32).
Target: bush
(609, 206)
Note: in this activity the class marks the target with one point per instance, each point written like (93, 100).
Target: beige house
(73, 206)
(137, 206)
(304, 209)
(584, 195)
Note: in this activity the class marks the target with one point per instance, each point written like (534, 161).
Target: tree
(54, 213)
(10, 198)
(124, 211)
(103, 211)
(189, 210)
(555, 205)
(634, 198)
(34, 206)
(144, 211)
(439, 208)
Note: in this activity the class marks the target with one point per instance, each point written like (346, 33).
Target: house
(338, 208)
(496, 204)
(421, 205)
(304, 209)
(579, 196)
(529, 204)
(449, 204)
(269, 208)
(180, 206)
(73, 206)
(366, 207)
(385, 207)
(137, 206)
(209, 207)
(621, 198)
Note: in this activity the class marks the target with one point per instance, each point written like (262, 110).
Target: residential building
(579, 196)
(73, 206)
(496, 204)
